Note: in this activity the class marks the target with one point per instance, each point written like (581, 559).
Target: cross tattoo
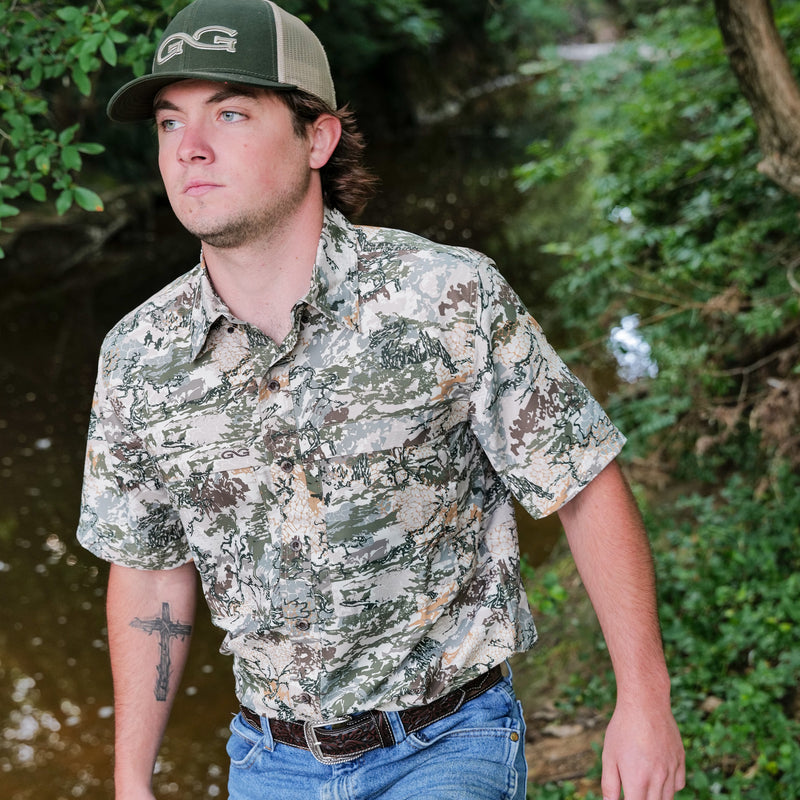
(166, 629)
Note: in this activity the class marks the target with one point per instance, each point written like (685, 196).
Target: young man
(326, 423)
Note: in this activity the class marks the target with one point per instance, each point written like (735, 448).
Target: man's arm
(642, 752)
(150, 614)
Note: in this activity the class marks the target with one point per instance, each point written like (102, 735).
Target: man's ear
(324, 133)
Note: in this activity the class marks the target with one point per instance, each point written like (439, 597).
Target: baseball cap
(253, 42)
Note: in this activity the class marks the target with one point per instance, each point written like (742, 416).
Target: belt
(344, 741)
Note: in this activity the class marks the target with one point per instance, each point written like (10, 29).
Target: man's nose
(194, 144)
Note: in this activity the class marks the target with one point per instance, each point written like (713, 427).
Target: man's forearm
(612, 553)
(150, 618)
(642, 753)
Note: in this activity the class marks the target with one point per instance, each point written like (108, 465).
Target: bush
(730, 609)
(681, 229)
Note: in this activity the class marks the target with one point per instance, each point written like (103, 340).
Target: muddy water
(452, 183)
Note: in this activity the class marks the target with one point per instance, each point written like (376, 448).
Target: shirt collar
(207, 308)
(333, 290)
(334, 281)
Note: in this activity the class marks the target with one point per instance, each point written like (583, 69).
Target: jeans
(477, 753)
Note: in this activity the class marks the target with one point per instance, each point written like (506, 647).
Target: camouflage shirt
(345, 495)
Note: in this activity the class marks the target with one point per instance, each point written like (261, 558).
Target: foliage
(51, 59)
(31, 41)
(560, 791)
(681, 229)
(730, 578)
(729, 596)
(545, 592)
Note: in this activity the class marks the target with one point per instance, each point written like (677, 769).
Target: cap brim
(134, 101)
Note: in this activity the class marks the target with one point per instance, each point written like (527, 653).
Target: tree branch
(759, 61)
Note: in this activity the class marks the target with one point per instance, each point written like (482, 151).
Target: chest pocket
(207, 468)
(392, 483)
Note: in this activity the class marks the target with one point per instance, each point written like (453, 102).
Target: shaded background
(450, 181)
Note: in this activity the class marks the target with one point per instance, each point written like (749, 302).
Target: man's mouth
(197, 188)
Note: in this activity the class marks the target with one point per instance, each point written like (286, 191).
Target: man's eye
(167, 125)
(231, 116)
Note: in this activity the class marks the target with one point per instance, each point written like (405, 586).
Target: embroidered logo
(173, 45)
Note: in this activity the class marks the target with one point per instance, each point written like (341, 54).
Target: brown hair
(347, 184)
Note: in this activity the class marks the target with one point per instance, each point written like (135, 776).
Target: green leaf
(64, 201)
(36, 75)
(71, 158)
(38, 192)
(87, 60)
(81, 80)
(92, 43)
(8, 211)
(68, 134)
(42, 162)
(109, 51)
(69, 13)
(90, 148)
(87, 199)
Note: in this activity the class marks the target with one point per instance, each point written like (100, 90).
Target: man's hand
(642, 754)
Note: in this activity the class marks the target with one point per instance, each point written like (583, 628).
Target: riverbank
(564, 734)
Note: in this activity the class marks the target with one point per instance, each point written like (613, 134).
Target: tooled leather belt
(344, 741)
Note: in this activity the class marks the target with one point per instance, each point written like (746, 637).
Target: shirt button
(302, 625)
(287, 465)
(296, 545)
(273, 386)
(231, 329)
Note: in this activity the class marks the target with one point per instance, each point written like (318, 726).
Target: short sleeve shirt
(346, 495)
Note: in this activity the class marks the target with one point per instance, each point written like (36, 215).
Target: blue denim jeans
(477, 753)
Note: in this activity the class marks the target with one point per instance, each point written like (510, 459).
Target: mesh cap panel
(301, 58)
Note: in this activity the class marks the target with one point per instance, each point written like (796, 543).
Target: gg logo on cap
(173, 46)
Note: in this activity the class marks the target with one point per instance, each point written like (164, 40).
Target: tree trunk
(759, 61)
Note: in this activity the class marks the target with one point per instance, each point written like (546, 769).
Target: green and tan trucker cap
(253, 42)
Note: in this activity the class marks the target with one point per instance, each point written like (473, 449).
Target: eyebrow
(225, 93)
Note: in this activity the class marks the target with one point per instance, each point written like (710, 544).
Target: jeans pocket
(244, 744)
(495, 712)
(493, 715)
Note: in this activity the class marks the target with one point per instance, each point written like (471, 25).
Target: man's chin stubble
(234, 234)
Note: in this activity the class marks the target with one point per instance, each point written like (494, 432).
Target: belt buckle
(310, 732)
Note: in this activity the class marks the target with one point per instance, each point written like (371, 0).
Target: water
(453, 184)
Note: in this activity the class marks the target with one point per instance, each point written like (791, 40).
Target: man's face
(233, 166)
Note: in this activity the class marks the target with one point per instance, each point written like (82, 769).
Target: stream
(450, 181)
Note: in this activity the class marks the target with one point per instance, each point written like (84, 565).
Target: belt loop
(396, 724)
(268, 742)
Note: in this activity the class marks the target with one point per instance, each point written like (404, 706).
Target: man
(326, 422)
